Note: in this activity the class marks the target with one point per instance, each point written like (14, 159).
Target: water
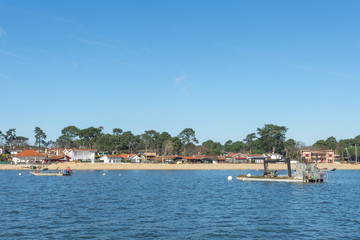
(176, 205)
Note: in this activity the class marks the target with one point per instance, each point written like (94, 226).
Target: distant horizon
(221, 68)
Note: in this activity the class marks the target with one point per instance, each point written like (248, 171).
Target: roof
(57, 157)
(29, 153)
(125, 156)
(81, 149)
(173, 157)
(114, 156)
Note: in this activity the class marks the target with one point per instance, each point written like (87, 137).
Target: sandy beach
(148, 166)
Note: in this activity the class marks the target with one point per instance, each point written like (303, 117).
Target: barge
(66, 172)
(305, 173)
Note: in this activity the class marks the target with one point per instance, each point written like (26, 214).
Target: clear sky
(223, 68)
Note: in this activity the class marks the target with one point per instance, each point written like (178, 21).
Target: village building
(28, 156)
(256, 158)
(58, 158)
(121, 158)
(235, 158)
(111, 158)
(148, 156)
(54, 151)
(14, 151)
(173, 159)
(325, 156)
(84, 155)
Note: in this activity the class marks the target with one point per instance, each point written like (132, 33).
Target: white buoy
(104, 174)
(229, 178)
(249, 175)
(119, 174)
(19, 174)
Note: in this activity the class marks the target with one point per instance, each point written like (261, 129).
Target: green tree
(148, 138)
(290, 148)
(250, 141)
(187, 136)
(21, 141)
(40, 137)
(89, 135)
(68, 136)
(117, 131)
(107, 143)
(178, 146)
(271, 138)
(160, 140)
(10, 137)
(236, 147)
(130, 140)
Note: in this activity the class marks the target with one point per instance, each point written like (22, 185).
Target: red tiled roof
(191, 158)
(114, 156)
(127, 156)
(29, 153)
(172, 157)
(57, 157)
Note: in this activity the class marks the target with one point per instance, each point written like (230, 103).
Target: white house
(112, 158)
(121, 158)
(134, 158)
(86, 155)
(28, 156)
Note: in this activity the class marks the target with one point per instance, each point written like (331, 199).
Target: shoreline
(160, 166)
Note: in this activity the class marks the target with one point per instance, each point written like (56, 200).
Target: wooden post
(265, 167)
(289, 167)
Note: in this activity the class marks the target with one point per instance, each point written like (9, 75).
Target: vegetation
(268, 139)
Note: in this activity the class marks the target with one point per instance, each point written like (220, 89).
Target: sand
(149, 166)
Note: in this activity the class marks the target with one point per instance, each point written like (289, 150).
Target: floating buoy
(229, 178)
(249, 175)
(119, 174)
(104, 174)
(19, 174)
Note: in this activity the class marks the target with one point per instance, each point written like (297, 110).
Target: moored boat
(66, 172)
(307, 173)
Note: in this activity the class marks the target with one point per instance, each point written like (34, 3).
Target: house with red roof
(59, 158)
(235, 158)
(28, 156)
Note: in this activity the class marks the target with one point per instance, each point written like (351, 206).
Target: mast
(355, 153)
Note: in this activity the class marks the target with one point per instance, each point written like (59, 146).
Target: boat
(333, 169)
(305, 173)
(48, 173)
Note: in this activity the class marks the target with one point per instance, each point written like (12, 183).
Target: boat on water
(305, 173)
(66, 172)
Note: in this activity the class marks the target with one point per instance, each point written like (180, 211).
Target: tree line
(268, 139)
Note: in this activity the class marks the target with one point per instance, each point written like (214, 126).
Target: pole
(355, 153)
(289, 167)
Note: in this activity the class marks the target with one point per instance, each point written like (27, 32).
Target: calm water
(176, 205)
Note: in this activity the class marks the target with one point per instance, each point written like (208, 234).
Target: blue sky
(223, 68)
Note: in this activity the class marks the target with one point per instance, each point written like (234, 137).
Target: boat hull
(273, 179)
(49, 174)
